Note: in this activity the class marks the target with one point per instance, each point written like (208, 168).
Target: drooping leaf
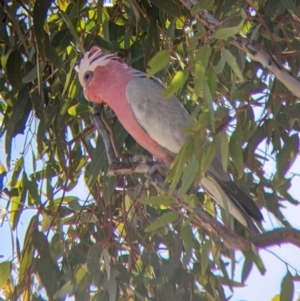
(5, 270)
(287, 288)
(13, 69)
(176, 83)
(231, 61)
(236, 151)
(158, 62)
(288, 154)
(227, 32)
(40, 11)
(166, 218)
(188, 176)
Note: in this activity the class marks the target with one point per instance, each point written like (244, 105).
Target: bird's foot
(156, 174)
(150, 167)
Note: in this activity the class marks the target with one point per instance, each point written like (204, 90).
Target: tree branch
(256, 52)
(104, 132)
(202, 219)
(277, 237)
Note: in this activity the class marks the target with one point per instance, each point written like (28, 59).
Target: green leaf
(19, 165)
(188, 176)
(209, 104)
(177, 82)
(17, 121)
(80, 111)
(199, 75)
(205, 250)
(231, 61)
(188, 239)
(5, 269)
(224, 149)
(178, 165)
(109, 184)
(201, 123)
(157, 200)
(112, 289)
(247, 267)
(288, 154)
(290, 6)
(202, 60)
(203, 56)
(236, 151)
(107, 263)
(225, 33)
(18, 201)
(46, 222)
(64, 291)
(93, 262)
(287, 288)
(211, 79)
(220, 66)
(51, 53)
(94, 167)
(40, 11)
(68, 21)
(158, 62)
(13, 69)
(169, 6)
(33, 192)
(69, 76)
(27, 253)
(32, 74)
(258, 262)
(207, 157)
(167, 218)
(151, 36)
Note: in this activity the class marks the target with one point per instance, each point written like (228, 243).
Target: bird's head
(91, 60)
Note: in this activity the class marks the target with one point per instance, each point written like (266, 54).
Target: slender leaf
(166, 218)
(158, 62)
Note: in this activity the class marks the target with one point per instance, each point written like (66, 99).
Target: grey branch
(255, 51)
(202, 219)
(103, 131)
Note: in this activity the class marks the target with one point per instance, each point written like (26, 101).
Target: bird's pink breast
(109, 86)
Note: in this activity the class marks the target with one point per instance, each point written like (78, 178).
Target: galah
(157, 124)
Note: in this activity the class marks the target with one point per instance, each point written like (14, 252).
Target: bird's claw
(157, 170)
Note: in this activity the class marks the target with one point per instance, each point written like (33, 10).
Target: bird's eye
(87, 77)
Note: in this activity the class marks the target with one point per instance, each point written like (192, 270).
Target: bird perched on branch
(157, 124)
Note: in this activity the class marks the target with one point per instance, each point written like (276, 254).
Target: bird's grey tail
(234, 200)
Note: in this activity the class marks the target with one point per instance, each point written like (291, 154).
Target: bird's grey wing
(163, 119)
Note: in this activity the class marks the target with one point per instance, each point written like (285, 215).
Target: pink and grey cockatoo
(157, 124)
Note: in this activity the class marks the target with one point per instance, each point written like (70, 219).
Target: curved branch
(277, 237)
(256, 52)
(202, 219)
